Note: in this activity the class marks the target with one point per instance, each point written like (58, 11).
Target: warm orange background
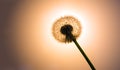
(36, 47)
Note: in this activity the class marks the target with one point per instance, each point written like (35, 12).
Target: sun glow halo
(55, 14)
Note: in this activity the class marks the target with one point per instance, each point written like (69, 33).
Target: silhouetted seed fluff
(63, 26)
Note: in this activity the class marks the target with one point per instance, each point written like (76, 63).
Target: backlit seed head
(64, 26)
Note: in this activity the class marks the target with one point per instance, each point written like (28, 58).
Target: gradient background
(27, 42)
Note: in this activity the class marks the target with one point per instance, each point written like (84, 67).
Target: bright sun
(55, 14)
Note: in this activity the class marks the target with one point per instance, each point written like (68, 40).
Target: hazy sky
(28, 29)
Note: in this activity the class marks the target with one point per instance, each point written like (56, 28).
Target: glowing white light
(52, 15)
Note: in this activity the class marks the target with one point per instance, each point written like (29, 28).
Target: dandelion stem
(83, 53)
(67, 30)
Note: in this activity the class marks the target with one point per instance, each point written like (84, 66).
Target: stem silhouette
(67, 30)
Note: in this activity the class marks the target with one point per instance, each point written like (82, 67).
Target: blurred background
(27, 43)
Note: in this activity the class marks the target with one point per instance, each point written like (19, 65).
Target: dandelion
(69, 23)
(67, 29)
